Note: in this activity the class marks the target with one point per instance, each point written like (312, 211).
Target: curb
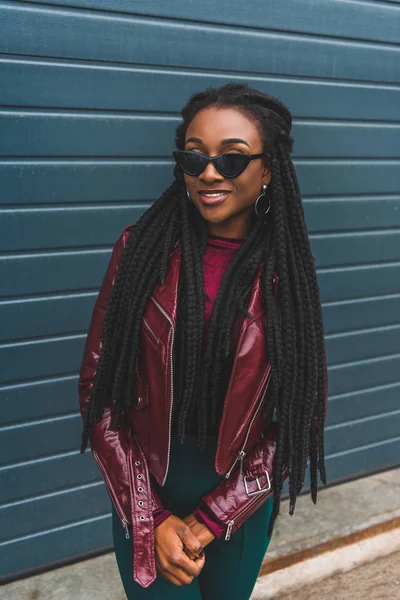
(341, 554)
(288, 559)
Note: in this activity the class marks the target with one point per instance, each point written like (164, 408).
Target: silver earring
(262, 195)
(187, 194)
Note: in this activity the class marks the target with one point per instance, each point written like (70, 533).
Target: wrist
(201, 531)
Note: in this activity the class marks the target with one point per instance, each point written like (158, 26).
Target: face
(226, 204)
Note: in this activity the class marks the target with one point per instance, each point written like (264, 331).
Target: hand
(200, 530)
(174, 541)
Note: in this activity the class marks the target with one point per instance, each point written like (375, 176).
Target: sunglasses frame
(213, 160)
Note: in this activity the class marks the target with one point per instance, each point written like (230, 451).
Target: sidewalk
(351, 524)
(379, 580)
(359, 518)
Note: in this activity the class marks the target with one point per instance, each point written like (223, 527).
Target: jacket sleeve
(235, 499)
(225, 508)
(109, 446)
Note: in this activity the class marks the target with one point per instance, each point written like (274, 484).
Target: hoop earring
(262, 195)
(189, 198)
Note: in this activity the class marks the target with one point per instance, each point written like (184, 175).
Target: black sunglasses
(228, 165)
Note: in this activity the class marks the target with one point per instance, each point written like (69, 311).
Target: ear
(266, 176)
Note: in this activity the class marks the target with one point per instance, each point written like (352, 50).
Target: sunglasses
(228, 165)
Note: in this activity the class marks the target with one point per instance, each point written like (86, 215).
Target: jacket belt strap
(144, 564)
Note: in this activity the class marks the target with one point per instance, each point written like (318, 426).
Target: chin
(214, 216)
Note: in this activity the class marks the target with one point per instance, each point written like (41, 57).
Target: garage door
(90, 95)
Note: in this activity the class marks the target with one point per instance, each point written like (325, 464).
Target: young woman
(203, 381)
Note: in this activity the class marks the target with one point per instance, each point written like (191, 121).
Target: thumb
(191, 542)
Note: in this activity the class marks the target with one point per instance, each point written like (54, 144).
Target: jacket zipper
(172, 382)
(115, 501)
(242, 453)
(231, 523)
(149, 329)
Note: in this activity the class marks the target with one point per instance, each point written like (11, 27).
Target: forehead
(215, 124)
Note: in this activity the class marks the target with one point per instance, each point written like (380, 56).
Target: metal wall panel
(90, 95)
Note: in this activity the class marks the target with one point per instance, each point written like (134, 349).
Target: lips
(213, 197)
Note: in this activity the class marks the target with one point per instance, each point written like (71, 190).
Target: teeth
(213, 194)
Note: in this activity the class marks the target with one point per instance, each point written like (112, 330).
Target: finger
(164, 570)
(191, 542)
(190, 567)
(177, 576)
(192, 556)
(182, 577)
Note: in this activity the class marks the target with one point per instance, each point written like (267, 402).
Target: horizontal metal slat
(66, 181)
(99, 225)
(38, 514)
(362, 404)
(71, 34)
(38, 399)
(363, 461)
(360, 314)
(350, 436)
(53, 272)
(64, 84)
(55, 545)
(359, 281)
(352, 213)
(42, 358)
(53, 182)
(40, 439)
(361, 345)
(60, 272)
(364, 374)
(65, 227)
(46, 316)
(345, 19)
(354, 248)
(62, 315)
(51, 133)
(47, 475)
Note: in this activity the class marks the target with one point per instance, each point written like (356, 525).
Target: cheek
(248, 187)
(189, 181)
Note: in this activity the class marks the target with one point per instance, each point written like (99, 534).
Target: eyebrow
(223, 142)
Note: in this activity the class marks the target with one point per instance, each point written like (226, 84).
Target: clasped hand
(179, 548)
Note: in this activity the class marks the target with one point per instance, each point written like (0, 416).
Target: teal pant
(232, 566)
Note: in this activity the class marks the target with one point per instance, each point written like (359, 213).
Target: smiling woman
(203, 381)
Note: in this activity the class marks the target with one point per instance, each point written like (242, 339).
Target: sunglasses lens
(232, 165)
(194, 163)
(191, 163)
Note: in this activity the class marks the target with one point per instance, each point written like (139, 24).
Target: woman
(203, 380)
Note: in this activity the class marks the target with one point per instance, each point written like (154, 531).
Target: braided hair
(295, 339)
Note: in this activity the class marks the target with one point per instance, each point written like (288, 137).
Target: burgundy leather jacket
(130, 458)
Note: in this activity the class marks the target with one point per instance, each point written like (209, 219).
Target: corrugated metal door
(90, 92)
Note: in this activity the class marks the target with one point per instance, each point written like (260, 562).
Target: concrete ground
(341, 511)
(345, 514)
(379, 580)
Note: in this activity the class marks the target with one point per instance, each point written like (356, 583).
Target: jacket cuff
(205, 516)
(160, 515)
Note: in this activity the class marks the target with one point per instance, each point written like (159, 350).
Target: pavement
(379, 580)
(350, 540)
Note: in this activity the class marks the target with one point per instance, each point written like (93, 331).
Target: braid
(277, 244)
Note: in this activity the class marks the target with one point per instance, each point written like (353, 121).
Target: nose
(210, 174)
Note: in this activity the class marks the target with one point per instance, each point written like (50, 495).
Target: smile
(212, 198)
